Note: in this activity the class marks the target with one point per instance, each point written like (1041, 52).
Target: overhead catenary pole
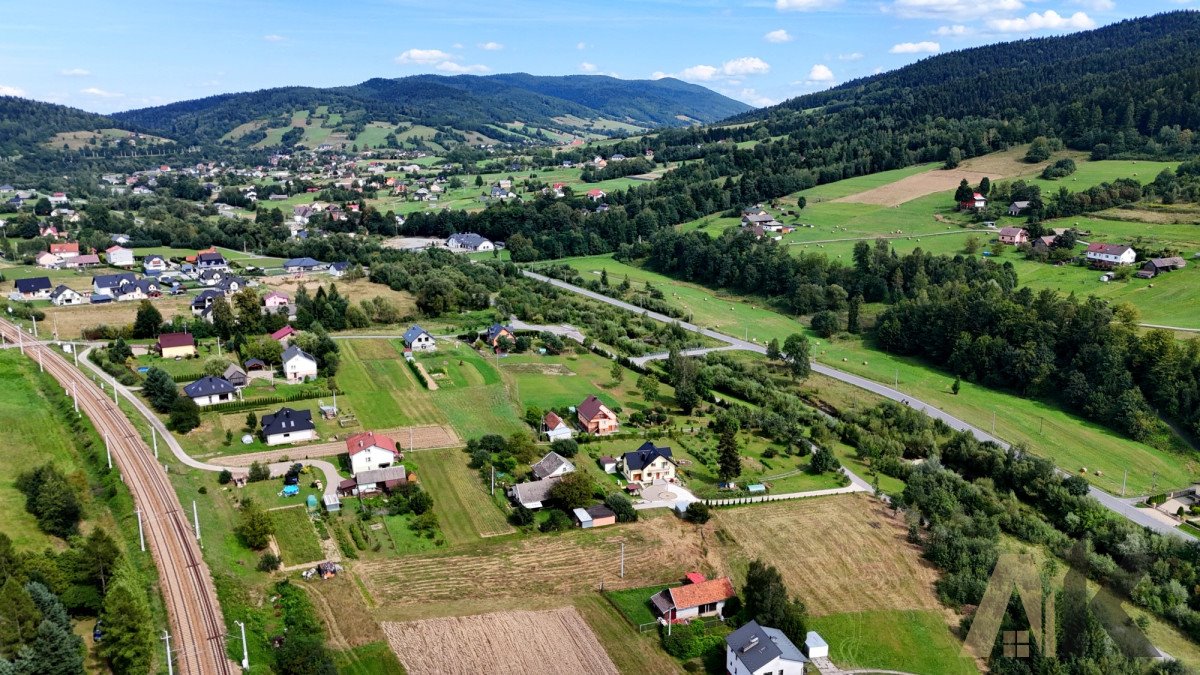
(622, 560)
(107, 451)
(245, 651)
(41, 368)
(75, 396)
(141, 535)
(167, 637)
(196, 518)
(154, 439)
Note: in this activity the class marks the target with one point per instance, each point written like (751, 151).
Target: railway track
(194, 613)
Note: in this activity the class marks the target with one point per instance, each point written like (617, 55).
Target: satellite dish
(247, 439)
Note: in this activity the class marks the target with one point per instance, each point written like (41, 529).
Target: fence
(705, 620)
(735, 501)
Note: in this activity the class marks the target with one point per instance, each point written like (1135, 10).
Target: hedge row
(252, 403)
(412, 365)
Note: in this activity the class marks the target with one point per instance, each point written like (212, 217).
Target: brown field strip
(837, 554)
(912, 187)
(535, 643)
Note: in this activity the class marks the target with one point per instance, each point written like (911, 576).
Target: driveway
(663, 495)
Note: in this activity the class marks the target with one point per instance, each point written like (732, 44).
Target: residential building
(1044, 244)
(66, 250)
(1110, 255)
(284, 335)
(154, 264)
(301, 265)
(555, 428)
(109, 284)
(203, 302)
(759, 650)
(211, 277)
(288, 426)
(532, 495)
(236, 376)
(119, 256)
(82, 261)
(693, 600)
(647, 464)
(596, 418)
(33, 288)
(276, 301)
(375, 480)
(594, 516)
(65, 296)
(210, 390)
(210, 260)
(977, 202)
(1017, 208)
(47, 260)
(1013, 236)
(298, 366)
(176, 345)
(370, 450)
(596, 195)
(416, 339)
(553, 465)
(495, 332)
(469, 242)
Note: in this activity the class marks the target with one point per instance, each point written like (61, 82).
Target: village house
(1157, 266)
(1044, 244)
(692, 600)
(598, 515)
(370, 450)
(495, 333)
(375, 480)
(275, 302)
(109, 284)
(417, 340)
(596, 418)
(82, 261)
(758, 650)
(176, 345)
(977, 202)
(298, 366)
(65, 296)
(301, 265)
(33, 288)
(154, 264)
(469, 242)
(119, 256)
(210, 390)
(647, 464)
(1017, 208)
(1013, 236)
(288, 426)
(235, 376)
(284, 335)
(596, 194)
(65, 250)
(203, 302)
(553, 465)
(210, 277)
(47, 260)
(1107, 256)
(555, 428)
(210, 260)
(534, 494)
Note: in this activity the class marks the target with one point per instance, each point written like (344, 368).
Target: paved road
(1113, 503)
(1174, 328)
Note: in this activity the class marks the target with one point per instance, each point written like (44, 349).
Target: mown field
(295, 536)
(910, 641)
(464, 509)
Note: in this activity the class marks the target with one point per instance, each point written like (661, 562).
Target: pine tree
(852, 314)
(54, 651)
(185, 415)
(48, 604)
(160, 390)
(19, 617)
(729, 460)
(773, 352)
(149, 321)
(128, 640)
(101, 555)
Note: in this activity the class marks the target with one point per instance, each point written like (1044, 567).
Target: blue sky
(114, 56)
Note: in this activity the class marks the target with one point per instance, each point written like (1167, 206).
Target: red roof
(167, 340)
(592, 407)
(1107, 249)
(552, 420)
(703, 593)
(64, 248)
(359, 442)
(595, 193)
(695, 578)
(286, 331)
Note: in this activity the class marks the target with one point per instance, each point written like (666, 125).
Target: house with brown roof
(596, 418)
(594, 516)
(555, 428)
(1157, 266)
(176, 345)
(693, 600)
(1013, 236)
(370, 450)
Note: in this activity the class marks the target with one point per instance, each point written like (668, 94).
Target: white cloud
(1049, 20)
(100, 93)
(754, 98)
(425, 56)
(778, 36)
(6, 90)
(491, 46)
(458, 68)
(957, 30)
(729, 72)
(820, 73)
(273, 38)
(702, 73)
(926, 47)
(852, 56)
(588, 67)
(581, 46)
(75, 72)
(1096, 5)
(658, 75)
(804, 5)
(746, 65)
(952, 9)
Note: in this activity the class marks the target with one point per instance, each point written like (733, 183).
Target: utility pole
(114, 391)
(108, 451)
(493, 490)
(622, 560)
(141, 536)
(1123, 480)
(196, 518)
(75, 396)
(896, 382)
(21, 340)
(167, 637)
(75, 352)
(34, 317)
(154, 439)
(993, 422)
(245, 651)
(41, 368)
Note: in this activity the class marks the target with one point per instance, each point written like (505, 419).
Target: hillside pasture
(500, 643)
(865, 561)
(911, 187)
(910, 641)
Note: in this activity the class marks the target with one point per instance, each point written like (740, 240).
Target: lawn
(911, 641)
(295, 536)
(558, 382)
(634, 603)
(32, 435)
(465, 510)
(375, 658)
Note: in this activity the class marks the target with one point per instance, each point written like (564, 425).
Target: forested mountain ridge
(466, 102)
(25, 124)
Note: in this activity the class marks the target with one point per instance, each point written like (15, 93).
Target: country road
(1122, 507)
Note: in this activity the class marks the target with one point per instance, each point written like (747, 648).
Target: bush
(557, 522)
(567, 447)
(258, 471)
(621, 506)
(225, 477)
(823, 461)
(698, 513)
(690, 640)
(521, 516)
(269, 562)
(185, 415)
(825, 323)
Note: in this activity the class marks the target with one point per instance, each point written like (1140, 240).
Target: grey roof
(33, 284)
(210, 257)
(391, 473)
(233, 370)
(152, 256)
(210, 274)
(62, 289)
(208, 386)
(287, 420)
(113, 280)
(293, 351)
(582, 515)
(551, 463)
(202, 298)
(534, 491)
(301, 262)
(411, 335)
(756, 646)
(468, 239)
(638, 459)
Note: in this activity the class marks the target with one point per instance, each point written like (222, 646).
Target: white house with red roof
(555, 428)
(693, 599)
(596, 194)
(65, 250)
(370, 450)
(284, 335)
(1110, 255)
(119, 256)
(977, 202)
